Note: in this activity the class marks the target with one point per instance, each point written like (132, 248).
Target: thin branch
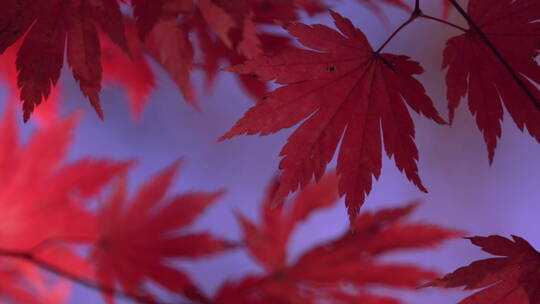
(415, 14)
(31, 258)
(497, 54)
(59, 241)
(444, 22)
(87, 283)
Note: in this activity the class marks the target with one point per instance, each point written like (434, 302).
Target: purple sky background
(465, 192)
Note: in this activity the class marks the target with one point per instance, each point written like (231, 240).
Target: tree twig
(444, 22)
(415, 14)
(31, 258)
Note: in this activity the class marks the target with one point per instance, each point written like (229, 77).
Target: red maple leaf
(225, 31)
(42, 198)
(22, 282)
(131, 71)
(342, 89)
(147, 13)
(48, 24)
(13, 285)
(319, 274)
(474, 70)
(267, 11)
(166, 29)
(57, 190)
(47, 113)
(218, 19)
(138, 238)
(268, 242)
(511, 278)
(169, 44)
(311, 7)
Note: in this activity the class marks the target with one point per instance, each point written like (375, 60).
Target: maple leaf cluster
(340, 270)
(338, 79)
(133, 239)
(345, 92)
(343, 95)
(102, 42)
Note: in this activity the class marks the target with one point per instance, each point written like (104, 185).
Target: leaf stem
(54, 241)
(497, 54)
(31, 258)
(415, 14)
(444, 22)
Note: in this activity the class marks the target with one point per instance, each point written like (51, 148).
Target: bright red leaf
(43, 202)
(13, 287)
(57, 190)
(511, 278)
(268, 242)
(22, 282)
(139, 237)
(351, 259)
(473, 69)
(131, 71)
(342, 89)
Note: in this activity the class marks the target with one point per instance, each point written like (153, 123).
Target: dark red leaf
(147, 13)
(473, 69)
(41, 56)
(511, 279)
(342, 90)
